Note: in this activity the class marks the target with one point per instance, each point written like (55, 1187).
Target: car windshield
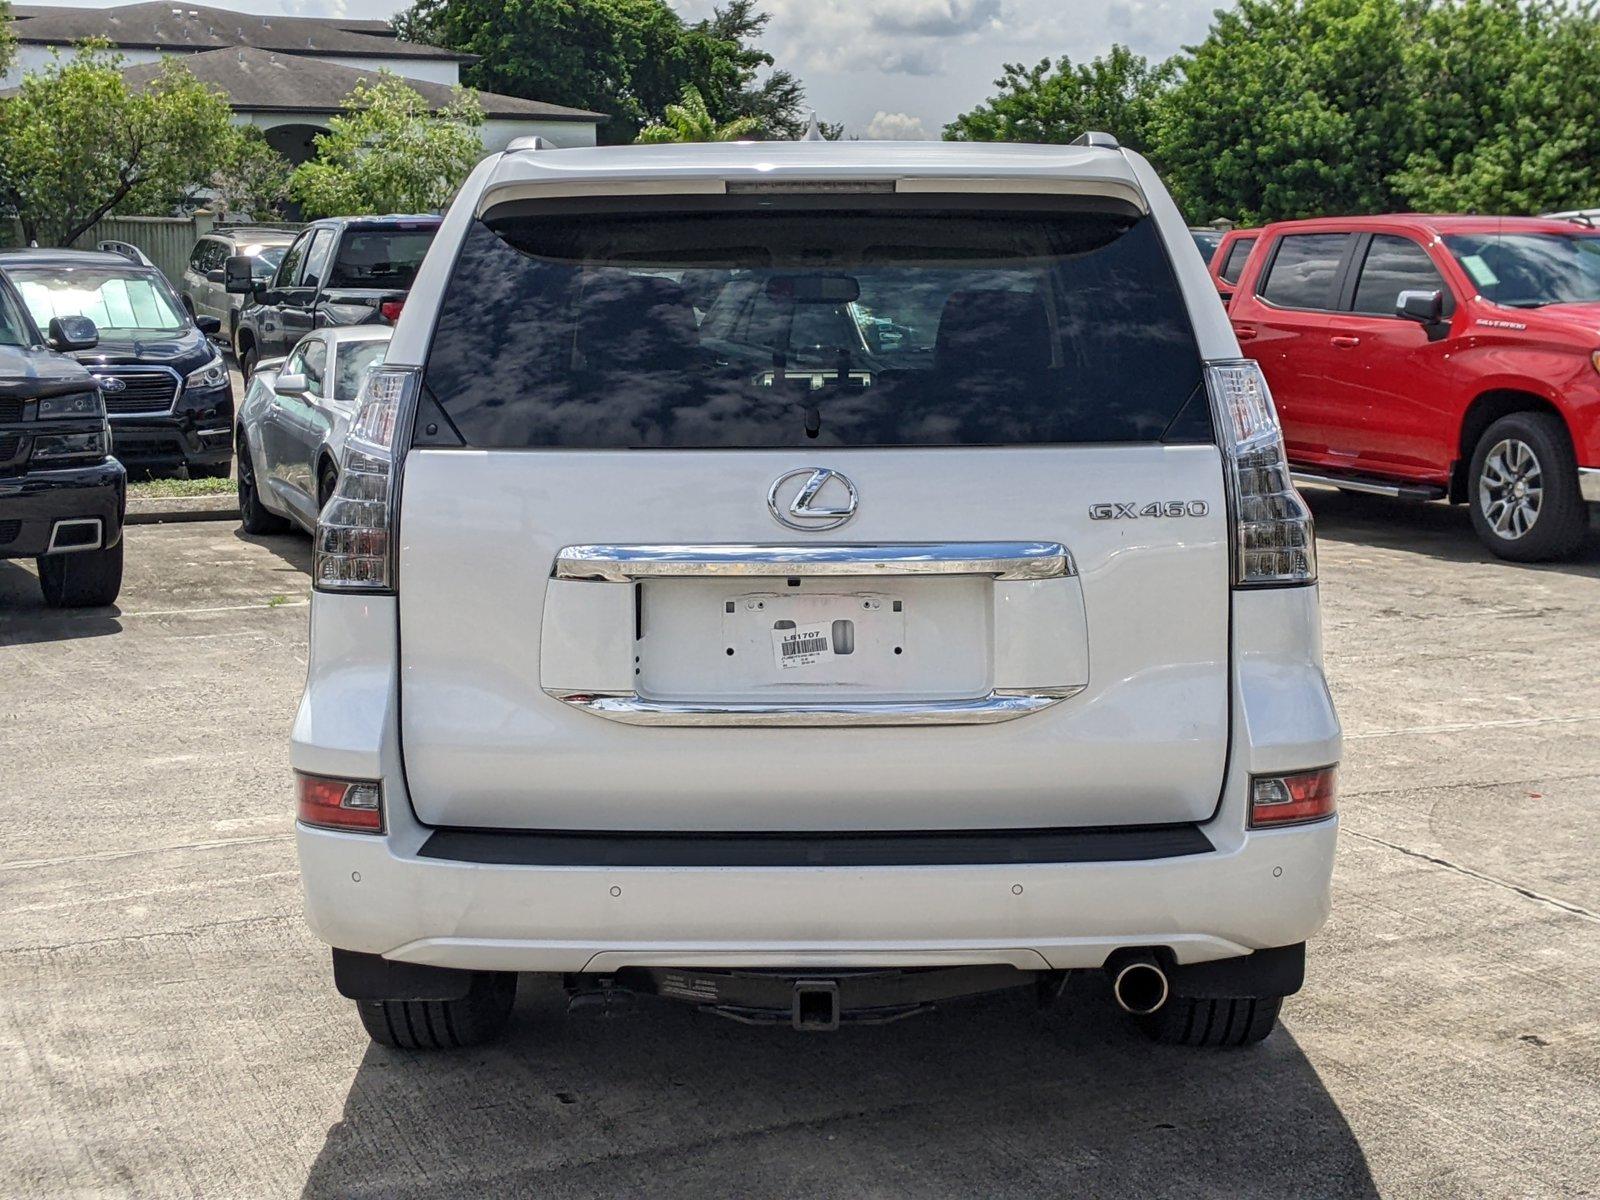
(380, 258)
(116, 301)
(751, 327)
(265, 260)
(1206, 242)
(354, 360)
(1530, 270)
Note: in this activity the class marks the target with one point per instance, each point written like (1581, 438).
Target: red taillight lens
(354, 805)
(390, 309)
(1292, 799)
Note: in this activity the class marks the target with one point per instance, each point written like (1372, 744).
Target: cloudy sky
(901, 68)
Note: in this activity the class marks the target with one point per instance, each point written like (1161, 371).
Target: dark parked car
(166, 386)
(204, 278)
(62, 495)
(341, 271)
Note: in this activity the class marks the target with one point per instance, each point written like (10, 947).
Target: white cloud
(933, 18)
(894, 127)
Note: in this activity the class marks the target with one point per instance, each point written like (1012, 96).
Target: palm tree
(691, 121)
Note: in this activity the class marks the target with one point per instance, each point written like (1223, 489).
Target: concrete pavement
(168, 1027)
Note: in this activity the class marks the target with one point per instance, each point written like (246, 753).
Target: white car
(725, 651)
(291, 428)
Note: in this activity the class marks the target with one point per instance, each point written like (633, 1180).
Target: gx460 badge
(1116, 510)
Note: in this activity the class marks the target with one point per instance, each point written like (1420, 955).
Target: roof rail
(1093, 137)
(529, 141)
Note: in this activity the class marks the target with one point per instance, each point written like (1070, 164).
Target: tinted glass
(317, 259)
(380, 258)
(116, 301)
(315, 360)
(750, 327)
(1233, 265)
(199, 255)
(351, 365)
(1394, 265)
(1206, 242)
(13, 327)
(289, 268)
(1528, 270)
(1303, 270)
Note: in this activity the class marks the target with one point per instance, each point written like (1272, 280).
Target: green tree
(1116, 92)
(1506, 109)
(253, 181)
(691, 121)
(388, 153)
(76, 143)
(1289, 108)
(628, 59)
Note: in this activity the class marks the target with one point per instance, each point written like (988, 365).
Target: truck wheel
(1523, 489)
(254, 517)
(1186, 1022)
(247, 360)
(479, 1016)
(87, 579)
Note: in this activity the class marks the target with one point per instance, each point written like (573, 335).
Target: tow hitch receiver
(816, 1005)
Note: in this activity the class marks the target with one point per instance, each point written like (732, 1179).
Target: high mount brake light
(1274, 543)
(1293, 799)
(353, 805)
(355, 532)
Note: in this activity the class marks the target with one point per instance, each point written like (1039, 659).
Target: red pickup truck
(1432, 358)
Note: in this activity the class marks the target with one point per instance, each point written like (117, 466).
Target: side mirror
(1425, 308)
(291, 385)
(217, 276)
(237, 277)
(72, 333)
(209, 326)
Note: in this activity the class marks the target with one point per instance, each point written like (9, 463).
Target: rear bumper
(369, 894)
(40, 499)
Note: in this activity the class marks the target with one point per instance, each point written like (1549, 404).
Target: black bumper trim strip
(561, 848)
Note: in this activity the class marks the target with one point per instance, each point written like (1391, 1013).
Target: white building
(286, 75)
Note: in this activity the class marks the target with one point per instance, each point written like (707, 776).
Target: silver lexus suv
(811, 581)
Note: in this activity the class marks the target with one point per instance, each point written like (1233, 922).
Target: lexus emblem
(824, 500)
(110, 383)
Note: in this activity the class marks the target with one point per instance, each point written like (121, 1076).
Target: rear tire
(247, 360)
(254, 517)
(87, 579)
(1522, 489)
(327, 481)
(1187, 1022)
(480, 1016)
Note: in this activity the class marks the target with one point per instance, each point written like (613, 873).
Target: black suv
(340, 271)
(62, 495)
(166, 386)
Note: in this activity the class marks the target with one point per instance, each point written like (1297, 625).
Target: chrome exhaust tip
(1138, 983)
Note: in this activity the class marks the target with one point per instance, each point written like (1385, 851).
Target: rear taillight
(1292, 799)
(353, 805)
(355, 532)
(390, 310)
(1273, 542)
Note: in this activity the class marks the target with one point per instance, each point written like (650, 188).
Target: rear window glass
(1303, 270)
(380, 258)
(749, 328)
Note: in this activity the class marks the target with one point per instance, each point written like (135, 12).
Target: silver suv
(810, 581)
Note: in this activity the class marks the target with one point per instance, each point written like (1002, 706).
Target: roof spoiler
(529, 141)
(1101, 141)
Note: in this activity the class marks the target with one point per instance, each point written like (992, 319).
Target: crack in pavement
(1528, 893)
(1467, 726)
(107, 855)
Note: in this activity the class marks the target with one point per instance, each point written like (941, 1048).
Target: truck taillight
(353, 805)
(355, 532)
(1293, 799)
(1273, 542)
(390, 310)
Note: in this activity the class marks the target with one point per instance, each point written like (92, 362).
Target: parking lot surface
(168, 1027)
